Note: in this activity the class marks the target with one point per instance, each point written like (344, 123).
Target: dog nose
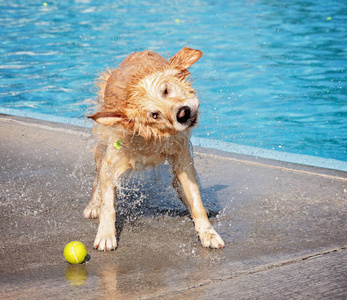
(183, 114)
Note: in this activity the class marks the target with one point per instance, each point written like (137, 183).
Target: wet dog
(146, 111)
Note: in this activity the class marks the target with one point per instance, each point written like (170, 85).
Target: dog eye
(155, 115)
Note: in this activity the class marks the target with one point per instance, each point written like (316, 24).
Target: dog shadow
(150, 193)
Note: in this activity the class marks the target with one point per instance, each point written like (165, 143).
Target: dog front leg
(106, 237)
(112, 167)
(184, 171)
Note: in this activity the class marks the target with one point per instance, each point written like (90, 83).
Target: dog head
(149, 95)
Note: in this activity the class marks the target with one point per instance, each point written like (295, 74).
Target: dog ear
(109, 118)
(184, 58)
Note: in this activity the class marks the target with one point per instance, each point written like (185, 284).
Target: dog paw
(106, 242)
(91, 212)
(210, 238)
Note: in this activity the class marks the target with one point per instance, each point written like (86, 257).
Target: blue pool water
(273, 74)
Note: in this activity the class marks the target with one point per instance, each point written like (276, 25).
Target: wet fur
(142, 104)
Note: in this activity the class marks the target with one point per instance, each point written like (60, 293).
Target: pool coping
(202, 145)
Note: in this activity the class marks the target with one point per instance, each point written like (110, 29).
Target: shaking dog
(146, 110)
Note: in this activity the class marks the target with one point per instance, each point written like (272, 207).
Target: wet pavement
(284, 225)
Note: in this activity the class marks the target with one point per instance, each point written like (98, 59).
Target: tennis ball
(75, 252)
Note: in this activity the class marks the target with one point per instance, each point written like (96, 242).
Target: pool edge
(202, 145)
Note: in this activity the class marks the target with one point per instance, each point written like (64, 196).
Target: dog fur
(147, 106)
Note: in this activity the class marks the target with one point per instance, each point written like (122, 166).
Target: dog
(146, 110)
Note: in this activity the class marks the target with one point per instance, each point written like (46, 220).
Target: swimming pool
(273, 74)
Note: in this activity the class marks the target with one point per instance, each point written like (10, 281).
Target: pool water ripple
(273, 74)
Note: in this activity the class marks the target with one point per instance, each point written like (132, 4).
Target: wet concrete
(284, 226)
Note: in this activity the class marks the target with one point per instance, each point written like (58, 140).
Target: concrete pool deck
(284, 226)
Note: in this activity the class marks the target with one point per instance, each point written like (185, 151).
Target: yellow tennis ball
(75, 252)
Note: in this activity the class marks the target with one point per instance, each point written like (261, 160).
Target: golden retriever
(146, 111)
